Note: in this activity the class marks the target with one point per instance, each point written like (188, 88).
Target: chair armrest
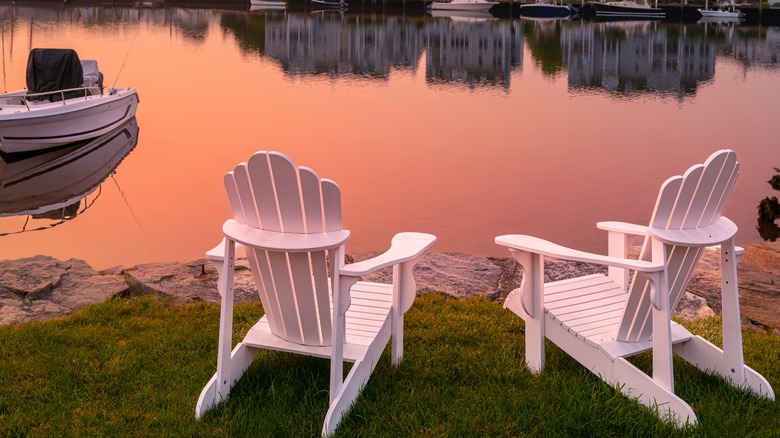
(289, 242)
(403, 248)
(623, 227)
(543, 247)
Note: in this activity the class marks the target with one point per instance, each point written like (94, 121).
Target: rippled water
(463, 127)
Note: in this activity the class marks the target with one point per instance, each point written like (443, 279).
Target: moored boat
(627, 8)
(462, 5)
(335, 4)
(545, 9)
(721, 13)
(64, 102)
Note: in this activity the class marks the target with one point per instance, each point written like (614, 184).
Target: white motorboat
(721, 12)
(64, 102)
(52, 184)
(462, 5)
(627, 9)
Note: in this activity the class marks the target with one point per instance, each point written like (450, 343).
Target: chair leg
(733, 359)
(224, 379)
(397, 318)
(650, 393)
(531, 309)
(342, 400)
(705, 356)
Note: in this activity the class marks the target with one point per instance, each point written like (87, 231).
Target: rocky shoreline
(41, 287)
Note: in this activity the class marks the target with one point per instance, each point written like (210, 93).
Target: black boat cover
(53, 69)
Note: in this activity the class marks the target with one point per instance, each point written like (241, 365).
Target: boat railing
(65, 95)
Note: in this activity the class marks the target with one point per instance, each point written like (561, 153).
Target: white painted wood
(289, 222)
(602, 319)
(549, 249)
(713, 234)
(276, 241)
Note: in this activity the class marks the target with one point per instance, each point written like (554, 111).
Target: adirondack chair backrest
(269, 193)
(686, 202)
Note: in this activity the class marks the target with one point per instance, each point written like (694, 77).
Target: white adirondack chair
(289, 222)
(600, 322)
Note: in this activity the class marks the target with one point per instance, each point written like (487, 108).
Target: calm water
(466, 128)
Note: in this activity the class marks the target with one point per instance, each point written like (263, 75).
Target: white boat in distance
(64, 102)
(462, 5)
(721, 12)
(627, 8)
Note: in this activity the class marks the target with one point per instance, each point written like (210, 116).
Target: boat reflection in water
(56, 185)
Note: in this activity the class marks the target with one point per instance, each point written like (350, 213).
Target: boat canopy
(53, 70)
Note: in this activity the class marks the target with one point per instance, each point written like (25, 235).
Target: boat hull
(607, 10)
(462, 6)
(719, 14)
(47, 125)
(545, 10)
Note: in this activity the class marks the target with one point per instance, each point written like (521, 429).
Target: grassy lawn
(136, 368)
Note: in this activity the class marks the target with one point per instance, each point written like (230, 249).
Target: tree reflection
(769, 211)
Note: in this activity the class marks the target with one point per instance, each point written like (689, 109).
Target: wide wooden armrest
(543, 247)
(720, 231)
(403, 248)
(289, 242)
(623, 227)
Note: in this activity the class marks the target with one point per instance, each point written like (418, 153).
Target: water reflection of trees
(637, 57)
(192, 24)
(544, 42)
(473, 52)
(624, 58)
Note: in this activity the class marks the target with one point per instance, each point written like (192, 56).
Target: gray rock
(42, 287)
(188, 282)
(455, 274)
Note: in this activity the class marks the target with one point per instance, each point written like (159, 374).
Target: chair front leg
(404, 293)
(733, 359)
(226, 274)
(662, 323)
(532, 301)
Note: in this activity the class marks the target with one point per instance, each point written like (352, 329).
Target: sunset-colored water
(464, 129)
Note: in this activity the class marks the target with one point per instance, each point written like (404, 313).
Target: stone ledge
(42, 287)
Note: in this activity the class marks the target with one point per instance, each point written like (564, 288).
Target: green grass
(136, 368)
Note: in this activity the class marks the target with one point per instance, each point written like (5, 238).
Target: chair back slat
(331, 205)
(258, 262)
(686, 202)
(666, 200)
(683, 202)
(288, 193)
(312, 200)
(305, 300)
(707, 192)
(263, 193)
(294, 288)
(319, 269)
(234, 198)
(248, 206)
(731, 181)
